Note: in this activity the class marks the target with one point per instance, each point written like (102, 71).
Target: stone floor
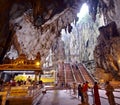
(63, 97)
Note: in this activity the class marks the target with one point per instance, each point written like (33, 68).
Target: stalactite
(69, 28)
(38, 9)
(76, 19)
(93, 4)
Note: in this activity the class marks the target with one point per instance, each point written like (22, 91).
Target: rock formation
(107, 52)
(31, 26)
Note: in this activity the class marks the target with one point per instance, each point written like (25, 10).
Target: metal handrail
(81, 74)
(73, 74)
(89, 73)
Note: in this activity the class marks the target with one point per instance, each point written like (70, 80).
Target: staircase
(86, 74)
(70, 73)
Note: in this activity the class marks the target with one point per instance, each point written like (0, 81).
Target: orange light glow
(38, 63)
(118, 61)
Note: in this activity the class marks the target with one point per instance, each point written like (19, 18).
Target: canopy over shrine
(22, 64)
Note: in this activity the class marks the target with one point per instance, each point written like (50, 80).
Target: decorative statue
(38, 56)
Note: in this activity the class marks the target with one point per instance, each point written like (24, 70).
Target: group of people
(83, 88)
(82, 92)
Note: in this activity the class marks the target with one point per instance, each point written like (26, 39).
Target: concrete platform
(63, 97)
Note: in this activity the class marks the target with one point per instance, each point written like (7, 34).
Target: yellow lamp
(37, 63)
(119, 61)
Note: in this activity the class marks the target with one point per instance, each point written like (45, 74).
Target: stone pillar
(36, 75)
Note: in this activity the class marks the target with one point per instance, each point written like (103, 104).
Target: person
(12, 82)
(85, 89)
(74, 88)
(28, 82)
(96, 94)
(69, 86)
(62, 84)
(80, 93)
(76, 65)
(41, 84)
(66, 86)
(109, 92)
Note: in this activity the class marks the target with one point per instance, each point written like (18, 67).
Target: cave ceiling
(31, 26)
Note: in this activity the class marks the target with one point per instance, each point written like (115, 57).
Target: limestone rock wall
(31, 40)
(80, 43)
(107, 52)
(111, 11)
(36, 26)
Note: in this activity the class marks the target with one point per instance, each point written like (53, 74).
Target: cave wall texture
(31, 26)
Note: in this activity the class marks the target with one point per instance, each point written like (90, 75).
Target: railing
(89, 73)
(61, 72)
(73, 73)
(81, 74)
(65, 73)
(78, 76)
(20, 95)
